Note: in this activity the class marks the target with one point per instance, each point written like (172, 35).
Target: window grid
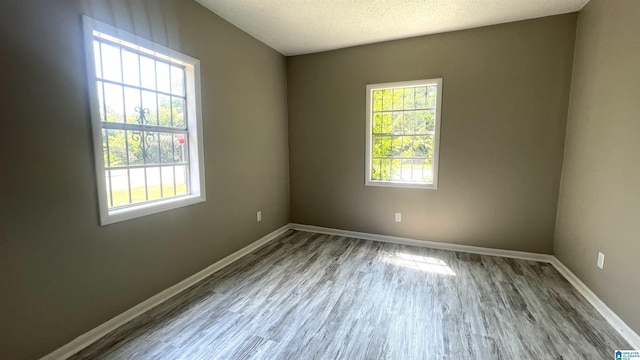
(390, 166)
(142, 130)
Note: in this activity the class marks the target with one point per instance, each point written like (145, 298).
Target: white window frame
(194, 124)
(436, 137)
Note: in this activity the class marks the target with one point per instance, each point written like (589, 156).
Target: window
(146, 124)
(403, 131)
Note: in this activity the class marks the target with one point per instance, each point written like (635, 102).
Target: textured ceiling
(305, 26)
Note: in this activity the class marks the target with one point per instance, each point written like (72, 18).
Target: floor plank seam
(392, 300)
(331, 260)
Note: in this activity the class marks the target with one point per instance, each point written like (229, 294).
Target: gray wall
(599, 207)
(61, 274)
(505, 96)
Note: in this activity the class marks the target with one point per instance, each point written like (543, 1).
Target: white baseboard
(90, 337)
(423, 243)
(623, 329)
(613, 319)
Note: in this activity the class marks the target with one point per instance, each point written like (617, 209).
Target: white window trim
(436, 138)
(194, 121)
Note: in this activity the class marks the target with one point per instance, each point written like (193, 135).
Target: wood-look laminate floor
(313, 296)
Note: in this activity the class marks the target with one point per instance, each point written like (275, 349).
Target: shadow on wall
(158, 24)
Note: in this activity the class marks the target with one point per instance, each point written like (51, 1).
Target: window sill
(114, 216)
(398, 184)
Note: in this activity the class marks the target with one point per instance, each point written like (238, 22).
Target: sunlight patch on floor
(418, 262)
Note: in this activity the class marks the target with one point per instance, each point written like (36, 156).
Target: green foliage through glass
(403, 131)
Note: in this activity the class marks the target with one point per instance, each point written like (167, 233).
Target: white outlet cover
(601, 260)
(398, 217)
(259, 216)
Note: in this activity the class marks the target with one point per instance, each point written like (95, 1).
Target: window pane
(409, 98)
(375, 170)
(398, 99)
(130, 68)
(385, 169)
(407, 146)
(377, 100)
(395, 169)
(421, 121)
(427, 172)
(131, 102)
(178, 110)
(411, 170)
(154, 190)
(168, 183)
(180, 144)
(396, 146)
(387, 123)
(392, 157)
(149, 102)
(405, 170)
(177, 80)
(398, 124)
(152, 151)
(167, 148)
(418, 169)
(111, 63)
(164, 110)
(117, 148)
(387, 99)
(421, 146)
(410, 122)
(119, 187)
(136, 148)
(377, 123)
(181, 180)
(113, 102)
(143, 147)
(430, 120)
(425, 121)
(148, 72)
(428, 147)
(162, 76)
(138, 177)
(431, 96)
(382, 146)
(421, 97)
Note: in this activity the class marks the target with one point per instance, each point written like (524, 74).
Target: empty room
(297, 179)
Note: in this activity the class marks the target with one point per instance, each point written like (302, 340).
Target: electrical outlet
(259, 216)
(398, 217)
(601, 260)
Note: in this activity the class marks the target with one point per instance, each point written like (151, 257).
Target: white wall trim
(424, 243)
(93, 335)
(611, 317)
(625, 331)
(90, 337)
